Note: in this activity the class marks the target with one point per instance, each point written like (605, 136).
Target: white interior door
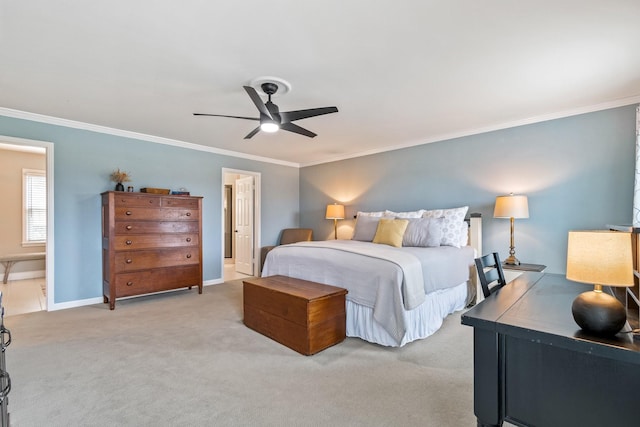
(244, 225)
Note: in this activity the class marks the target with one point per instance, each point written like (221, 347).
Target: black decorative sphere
(599, 313)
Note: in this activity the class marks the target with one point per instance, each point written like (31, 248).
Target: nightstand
(513, 271)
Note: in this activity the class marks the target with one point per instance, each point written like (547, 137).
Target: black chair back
(490, 273)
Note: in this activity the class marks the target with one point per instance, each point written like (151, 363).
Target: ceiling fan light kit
(271, 119)
(269, 127)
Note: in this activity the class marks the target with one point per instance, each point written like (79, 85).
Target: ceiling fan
(271, 119)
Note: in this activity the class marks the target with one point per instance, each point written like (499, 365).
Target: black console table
(533, 366)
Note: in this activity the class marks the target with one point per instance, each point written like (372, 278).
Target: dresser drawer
(149, 241)
(150, 214)
(140, 260)
(179, 202)
(139, 200)
(161, 279)
(142, 227)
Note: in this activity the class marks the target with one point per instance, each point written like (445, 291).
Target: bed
(399, 289)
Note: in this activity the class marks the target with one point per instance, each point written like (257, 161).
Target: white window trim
(25, 173)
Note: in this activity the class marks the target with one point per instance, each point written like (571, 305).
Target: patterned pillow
(404, 215)
(453, 232)
(423, 232)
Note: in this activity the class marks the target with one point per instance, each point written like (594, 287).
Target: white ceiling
(401, 72)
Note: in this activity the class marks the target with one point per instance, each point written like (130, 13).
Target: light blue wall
(83, 161)
(578, 173)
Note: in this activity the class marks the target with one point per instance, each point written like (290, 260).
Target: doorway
(240, 223)
(27, 183)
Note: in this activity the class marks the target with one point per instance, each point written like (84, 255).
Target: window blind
(35, 207)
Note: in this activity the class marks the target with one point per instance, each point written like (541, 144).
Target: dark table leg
(487, 378)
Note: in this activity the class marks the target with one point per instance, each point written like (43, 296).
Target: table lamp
(511, 206)
(599, 257)
(335, 212)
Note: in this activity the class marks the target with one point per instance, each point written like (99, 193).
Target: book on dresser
(150, 243)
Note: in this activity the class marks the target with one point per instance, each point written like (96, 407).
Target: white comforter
(386, 279)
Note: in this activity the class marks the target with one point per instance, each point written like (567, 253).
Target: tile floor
(230, 271)
(23, 296)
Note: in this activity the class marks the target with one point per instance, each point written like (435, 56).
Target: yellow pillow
(390, 231)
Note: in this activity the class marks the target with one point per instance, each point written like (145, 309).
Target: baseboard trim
(24, 275)
(100, 300)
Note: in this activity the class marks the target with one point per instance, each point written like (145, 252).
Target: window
(34, 223)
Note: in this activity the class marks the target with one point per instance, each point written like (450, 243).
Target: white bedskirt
(421, 321)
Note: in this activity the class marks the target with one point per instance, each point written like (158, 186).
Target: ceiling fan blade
(297, 129)
(274, 111)
(257, 100)
(289, 116)
(222, 115)
(253, 132)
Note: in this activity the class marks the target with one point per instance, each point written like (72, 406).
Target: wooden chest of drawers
(305, 316)
(150, 243)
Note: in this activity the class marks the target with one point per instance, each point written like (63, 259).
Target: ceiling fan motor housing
(269, 88)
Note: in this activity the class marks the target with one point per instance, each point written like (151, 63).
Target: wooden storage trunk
(305, 316)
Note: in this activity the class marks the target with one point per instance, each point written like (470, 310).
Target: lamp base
(599, 313)
(512, 260)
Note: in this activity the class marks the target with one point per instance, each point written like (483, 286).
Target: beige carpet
(183, 359)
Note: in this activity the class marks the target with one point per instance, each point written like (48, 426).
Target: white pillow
(423, 232)
(405, 215)
(453, 232)
(373, 214)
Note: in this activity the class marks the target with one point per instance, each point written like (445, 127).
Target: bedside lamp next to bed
(335, 212)
(600, 258)
(511, 207)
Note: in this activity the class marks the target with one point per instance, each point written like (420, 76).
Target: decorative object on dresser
(119, 177)
(305, 316)
(335, 212)
(152, 190)
(512, 207)
(150, 243)
(599, 257)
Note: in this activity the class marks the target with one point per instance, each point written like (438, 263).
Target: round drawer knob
(188, 255)
(188, 213)
(128, 212)
(188, 239)
(128, 242)
(128, 227)
(129, 261)
(129, 283)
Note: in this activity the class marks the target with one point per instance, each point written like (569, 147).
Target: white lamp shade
(335, 211)
(512, 206)
(600, 257)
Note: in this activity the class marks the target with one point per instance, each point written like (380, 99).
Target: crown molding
(621, 102)
(41, 118)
